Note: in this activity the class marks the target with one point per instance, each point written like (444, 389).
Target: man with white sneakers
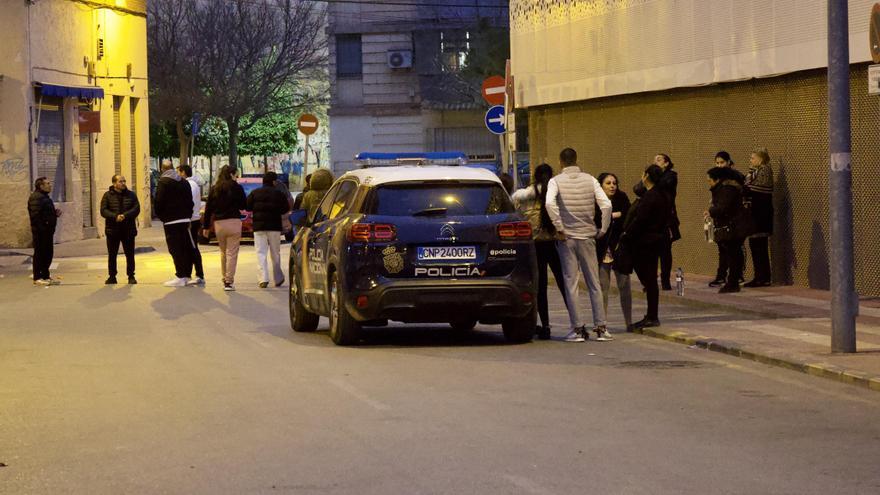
(186, 172)
(174, 206)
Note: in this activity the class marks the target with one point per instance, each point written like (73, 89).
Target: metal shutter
(50, 145)
(132, 179)
(117, 138)
(85, 175)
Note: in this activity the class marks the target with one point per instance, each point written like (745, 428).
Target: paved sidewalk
(149, 239)
(789, 327)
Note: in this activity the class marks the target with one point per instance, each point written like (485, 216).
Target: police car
(415, 244)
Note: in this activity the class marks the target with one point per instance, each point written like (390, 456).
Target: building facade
(73, 91)
(395, 78)
(621, 81)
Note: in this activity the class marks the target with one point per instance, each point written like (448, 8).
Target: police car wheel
(300, 319)
(520, 330)
(344, 329)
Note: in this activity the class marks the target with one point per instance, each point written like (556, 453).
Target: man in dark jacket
(268, 204)
(174, 207)
(44, 218)
(120, 208)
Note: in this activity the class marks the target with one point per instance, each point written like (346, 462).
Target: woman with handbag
(759, 189)
(727, 215)
(531, 201)
(223, 209)
(607, 245)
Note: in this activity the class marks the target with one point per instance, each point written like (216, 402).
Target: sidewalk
(789, 327)
(149, 239)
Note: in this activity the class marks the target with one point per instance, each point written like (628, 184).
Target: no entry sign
(307, 124)
(493, 90)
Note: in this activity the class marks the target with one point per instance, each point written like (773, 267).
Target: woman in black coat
(726, 212)
(646, 235)
(667, 183)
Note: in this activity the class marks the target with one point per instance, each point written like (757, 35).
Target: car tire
(520, 330)
(202, 239)
(300, 319)
(344, 330)
(463, 326)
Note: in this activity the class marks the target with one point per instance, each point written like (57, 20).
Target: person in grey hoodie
(174, 206)
(572, 197)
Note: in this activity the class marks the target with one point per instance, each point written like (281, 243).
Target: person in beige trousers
(224, 206)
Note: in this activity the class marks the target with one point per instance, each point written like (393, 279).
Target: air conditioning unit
(400, 59)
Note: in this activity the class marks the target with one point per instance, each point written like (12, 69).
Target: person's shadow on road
(106, 295)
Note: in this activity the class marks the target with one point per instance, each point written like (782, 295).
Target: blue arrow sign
(495, 119)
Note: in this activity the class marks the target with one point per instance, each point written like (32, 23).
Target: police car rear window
(453, 199)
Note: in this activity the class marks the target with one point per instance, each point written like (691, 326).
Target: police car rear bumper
(489, 301)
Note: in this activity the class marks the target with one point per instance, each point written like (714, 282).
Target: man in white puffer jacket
(572, 197)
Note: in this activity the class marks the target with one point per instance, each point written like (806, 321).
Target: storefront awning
(84, 92)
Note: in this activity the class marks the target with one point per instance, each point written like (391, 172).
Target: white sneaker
(602, 334)
(43, 282)
(176, 282)
(195, 281)
(228, 287)
(577, 335)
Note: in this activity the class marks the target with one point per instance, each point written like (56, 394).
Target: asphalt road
(146, 389)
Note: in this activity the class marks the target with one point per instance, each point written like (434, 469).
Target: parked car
(417, 245)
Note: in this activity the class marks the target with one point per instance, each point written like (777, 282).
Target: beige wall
(787, 114)
(15, 91)
(63, 36)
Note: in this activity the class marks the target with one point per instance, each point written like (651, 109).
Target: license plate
(447, 253)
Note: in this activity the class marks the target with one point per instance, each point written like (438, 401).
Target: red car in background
(249, 184)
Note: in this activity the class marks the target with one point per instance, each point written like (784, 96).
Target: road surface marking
(357, 394)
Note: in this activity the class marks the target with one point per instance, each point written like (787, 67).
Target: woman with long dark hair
(667, 183)
(646, 235)
(531, 201)
(223, 209)
(606, 246)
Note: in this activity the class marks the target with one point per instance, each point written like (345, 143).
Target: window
(482, 198)
(349, 59)
(50, 145)
(117, 135)
(454, 48)
(323, 211)
(343, 198)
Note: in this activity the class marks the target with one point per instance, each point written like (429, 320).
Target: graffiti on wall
(13, 169)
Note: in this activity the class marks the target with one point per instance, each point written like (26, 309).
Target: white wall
(580, 49)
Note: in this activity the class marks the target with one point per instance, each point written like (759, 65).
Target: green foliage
(269, 135)
(488, 55)
(163, 140)
(213, 138)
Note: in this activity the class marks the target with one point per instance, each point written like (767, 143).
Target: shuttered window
(132, 127)
(85, 175)
(50, 144)
(117, 137)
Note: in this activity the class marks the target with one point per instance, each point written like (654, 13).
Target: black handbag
(623, 260)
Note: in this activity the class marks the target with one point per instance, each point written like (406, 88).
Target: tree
(174, 90)
(252, 53)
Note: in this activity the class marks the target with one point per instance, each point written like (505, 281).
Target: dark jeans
(180, 246)
(127, 241)
(44, 249)
(721, 273)
(645, 266)
(665, 263)
(548, 256)
(194, 228)
(760, 247)
(732, 254)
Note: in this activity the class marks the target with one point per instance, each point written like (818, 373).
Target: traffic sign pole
(308, 125)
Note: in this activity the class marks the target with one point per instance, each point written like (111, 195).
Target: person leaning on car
(120, 207)
(321, 181)
(268, 205)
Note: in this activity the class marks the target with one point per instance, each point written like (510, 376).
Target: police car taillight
(514, 230)
(372, 232)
